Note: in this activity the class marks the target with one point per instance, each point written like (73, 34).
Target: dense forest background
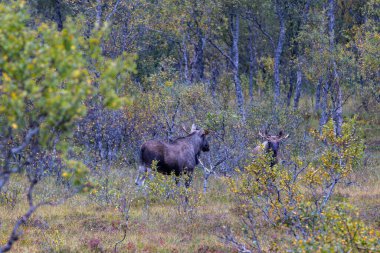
(84, 83)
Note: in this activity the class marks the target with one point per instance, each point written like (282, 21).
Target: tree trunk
(291, 87)
(235, 30)
(298, 87)
(331, 25)
(323, 104)
(58, 14)
(200, 56)
(363, 98)
(197, 72)
(338, 111)
(252, 61)
(334, 76)
(197, 65)
(124, 37)
(214, 78)
(185, 59)
(318, 95)
(98, 13)
(277, 54)
(299, 73)
(205, 181)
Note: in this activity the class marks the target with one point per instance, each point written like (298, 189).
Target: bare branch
(30, 192)
(204, 167)
(220, 162)
(26, 142)
(229, 238)
(125, 207)
(259, 26)
(222, 52)
(328, 194)
(113, 11)
(15, 235)
(98, 13)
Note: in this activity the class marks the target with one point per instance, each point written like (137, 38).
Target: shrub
(293, 196)
(339, 230)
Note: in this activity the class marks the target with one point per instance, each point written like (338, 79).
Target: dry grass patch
(81, 226)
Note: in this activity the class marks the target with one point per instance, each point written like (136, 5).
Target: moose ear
(193, 128)
(280, 134)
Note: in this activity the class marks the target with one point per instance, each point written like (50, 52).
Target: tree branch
(113, 11)
(251, 17)
(222, 52)
(125, 210)
(328, 194)
(15, 235)
(26, 142)
(229, 238)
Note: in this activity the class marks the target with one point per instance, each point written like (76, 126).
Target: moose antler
(194, 128)
(184, 129)
(281, 135)
(284, 137)
(263, 135)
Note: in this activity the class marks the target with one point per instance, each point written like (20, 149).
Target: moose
(271, 144)
(179, 156)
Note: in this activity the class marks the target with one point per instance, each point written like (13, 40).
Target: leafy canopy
(44, 76)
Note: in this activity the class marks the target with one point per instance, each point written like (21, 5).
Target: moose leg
(141, 175)
(177, 177)
(188, 179)
(177, 181)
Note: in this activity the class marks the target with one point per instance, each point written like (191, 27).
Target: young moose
(271, 144)
(179, 156)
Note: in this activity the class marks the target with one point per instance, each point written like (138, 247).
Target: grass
(82, 224)
(364, 192)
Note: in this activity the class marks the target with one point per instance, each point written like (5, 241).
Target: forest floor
(80, 225)
(83, 225)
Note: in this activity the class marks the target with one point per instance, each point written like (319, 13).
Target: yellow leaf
(76, 73)
(6, 77)
(168, 83)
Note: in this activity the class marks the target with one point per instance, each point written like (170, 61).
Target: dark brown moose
(271, 144)
(179, 156)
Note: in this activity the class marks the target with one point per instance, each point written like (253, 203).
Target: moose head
(272, 144)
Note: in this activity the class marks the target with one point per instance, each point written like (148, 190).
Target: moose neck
(195, 141)
(269, 147)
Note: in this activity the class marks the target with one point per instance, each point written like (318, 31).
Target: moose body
(271, 144)
(178, 157)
